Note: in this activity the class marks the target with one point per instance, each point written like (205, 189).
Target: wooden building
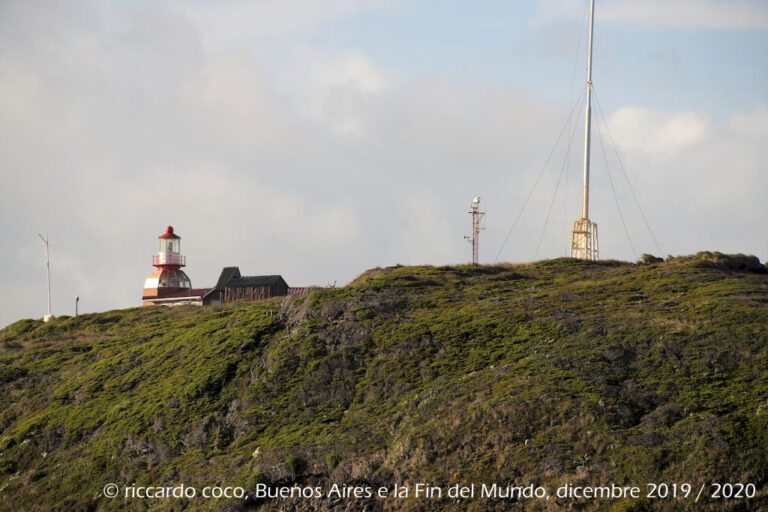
(231, 286)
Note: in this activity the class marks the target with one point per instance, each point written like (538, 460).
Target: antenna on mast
(45, 240)
(477, 215)
(584, 235)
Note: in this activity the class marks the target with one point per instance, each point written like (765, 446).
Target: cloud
(333, 87)
(229, 98)
(700, 182)
(752, 124)
(690, 14)
(671, 14)
(348, 81)
(228, 23)
(659, 133)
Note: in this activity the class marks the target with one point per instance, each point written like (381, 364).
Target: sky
(319, 139)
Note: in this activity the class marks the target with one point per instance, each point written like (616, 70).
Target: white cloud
(662, 134)
(752, 124)
(690, 14)
(671, 14)
(233, 22)
(232, 95)
(351, 69)
(339, 87)
(700, 182)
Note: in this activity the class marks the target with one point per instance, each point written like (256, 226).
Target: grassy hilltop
(548, 373)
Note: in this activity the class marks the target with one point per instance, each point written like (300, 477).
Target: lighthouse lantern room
(168, 285)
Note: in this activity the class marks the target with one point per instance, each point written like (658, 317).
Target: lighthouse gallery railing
(168, 258)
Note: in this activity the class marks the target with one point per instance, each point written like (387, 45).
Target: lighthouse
(168, 285)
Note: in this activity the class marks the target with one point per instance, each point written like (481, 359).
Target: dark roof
(227, 275)
(255, 281)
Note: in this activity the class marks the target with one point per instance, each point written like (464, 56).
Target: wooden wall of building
(233, 293)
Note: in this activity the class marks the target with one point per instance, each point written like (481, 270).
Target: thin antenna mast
(584, 235)
(477, 215)
(48, 273)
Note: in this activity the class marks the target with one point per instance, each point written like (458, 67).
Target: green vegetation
(546, 373)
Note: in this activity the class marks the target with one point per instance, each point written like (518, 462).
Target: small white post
(45, 240)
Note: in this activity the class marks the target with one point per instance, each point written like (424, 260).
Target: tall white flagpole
(48, 272)
(588, 121)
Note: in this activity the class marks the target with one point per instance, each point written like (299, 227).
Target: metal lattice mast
(584, 243)
(477, 215)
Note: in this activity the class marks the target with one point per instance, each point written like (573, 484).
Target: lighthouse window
(169, 245)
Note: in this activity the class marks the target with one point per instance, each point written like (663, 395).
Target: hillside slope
(547, 373)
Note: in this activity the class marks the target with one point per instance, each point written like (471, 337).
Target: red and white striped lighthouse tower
(168, 281)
